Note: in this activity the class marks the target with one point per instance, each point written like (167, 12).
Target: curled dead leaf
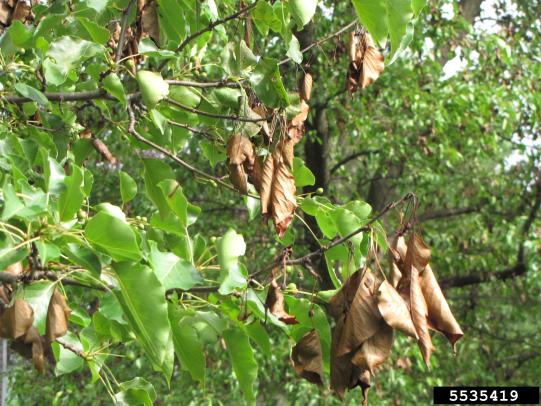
(394, 309)
(283, 200)
(57, 317)
(417, 254)
(149, 21)
(266, 184)
(306, 87)
(275, 304)
(362, 319)
(240, 159)
(307, 358)
(16, 319)
(366, 62)
(375, 350)
(440, 317)
(419, 315)
(32, 337)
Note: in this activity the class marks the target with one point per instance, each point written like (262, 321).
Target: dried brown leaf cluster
(146, 26)
(275, 304)
(272, 175)
(15, 10)
(367, 310)
(365, 61)
(17, 322)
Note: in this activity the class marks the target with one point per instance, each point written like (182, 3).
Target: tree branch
(308, 257)
(204, 85)
(321, 41)
(352, 157)
(476, 277)
(169, 154)
(444, 213)
(213, 115)
(210, 27)
(123, 27)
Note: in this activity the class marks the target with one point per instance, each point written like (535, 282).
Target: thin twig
(321, 41)
(210, 27)
(213, 115)
(308, 257)
(123, 27)
(169, 154)
(204, 133)
(204, 85)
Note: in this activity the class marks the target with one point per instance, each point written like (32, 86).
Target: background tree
(116, 120)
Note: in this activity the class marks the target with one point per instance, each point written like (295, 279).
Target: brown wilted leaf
(16, 319)
(344, 374)
(57, 317)
(15, 269)
(396, 275)
(363, 319)
(307, 358)
(375, 350)
(240, 154)
(32, 337)
(419, 315)
(403, 363)
(266, 184)
(394, 309)
(22, 10)
(417, 254)
(366, 62)
(283, 200)
(275, 304)
(149, 21)
(341, 301)
(306, 87)
(440, 317)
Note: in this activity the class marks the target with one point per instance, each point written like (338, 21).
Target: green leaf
(230, 247)
(188, 346)
(47, 251)
(361, 209)
(173, 195)
(66, 360)
(114, 86)
(32, 93)
(19, 34)
(385, 17)
(260, 336)
(13, 206)
(54, 176)
(153, 87)
(417, 6)
(38, 295)
(128, 187)
(113, 236)
(326, 223)
(302, 11)
(302, 174)
(242, 359)
(84, 257)
(268, 85)
(64, 55)
(264, 18)
(171, 20)
(142, 298)
(155, 172)
(138, 391)
(172, 271)
(9, 256)
(98, 33)
(72, 196)
(294, 50)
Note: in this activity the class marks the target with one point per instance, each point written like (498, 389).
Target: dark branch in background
(444, 213)
(321, 41)
(356, 155)
(123, 28)
(520, 268)
(220, 116)
(210, 27)
(132, 131)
